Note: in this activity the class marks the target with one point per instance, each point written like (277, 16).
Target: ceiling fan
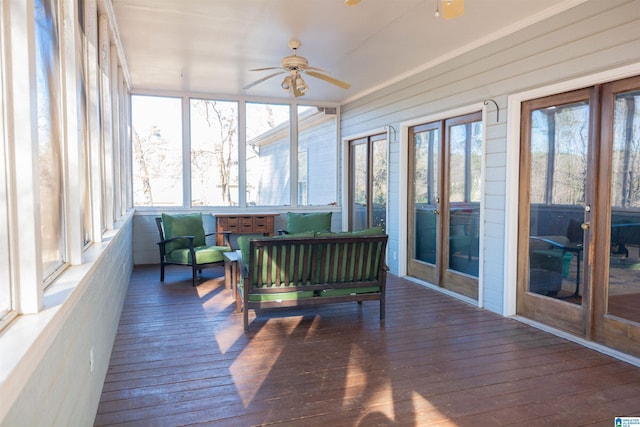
(294, 65)
(450, 8)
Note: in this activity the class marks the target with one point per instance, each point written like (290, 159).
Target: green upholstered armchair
(307, 222)
(183, 242)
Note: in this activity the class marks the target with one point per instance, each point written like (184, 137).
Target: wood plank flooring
(181, 358)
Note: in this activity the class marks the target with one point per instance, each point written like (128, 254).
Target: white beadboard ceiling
(209, 46)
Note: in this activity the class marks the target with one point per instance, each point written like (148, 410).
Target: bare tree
(155, 163)
(221, 155)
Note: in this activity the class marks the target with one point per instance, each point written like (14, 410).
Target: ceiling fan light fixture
(286, 83)
(351, 2)
(452, 8)
(301, 86)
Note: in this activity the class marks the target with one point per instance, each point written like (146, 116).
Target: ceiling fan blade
(329, 79)
(250, 85)
(452, 8)
(315, 69)
(266, 68)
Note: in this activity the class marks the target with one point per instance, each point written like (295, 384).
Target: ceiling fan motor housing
(294, 62)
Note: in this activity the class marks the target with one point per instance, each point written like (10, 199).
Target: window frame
(8, 313)
(242, 181)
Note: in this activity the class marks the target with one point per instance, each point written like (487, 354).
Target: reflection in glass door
(617, 290)
(624, 262)
(445, 184)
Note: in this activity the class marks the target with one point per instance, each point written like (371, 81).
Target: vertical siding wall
(62, 390)
(589, 38)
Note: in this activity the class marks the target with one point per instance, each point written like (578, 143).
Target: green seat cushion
(349, 291)
(314, 221)
(183, 225)
(281, 296)
(204, 254)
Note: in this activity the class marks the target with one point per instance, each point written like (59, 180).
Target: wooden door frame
(368, 141)
(440, 274)
(512, 187)
(605, 328)
(430, 273)
(573, 318)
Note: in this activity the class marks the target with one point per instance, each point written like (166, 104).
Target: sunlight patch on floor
(227, 334)
(216, 303)
(254, 363)
(355, 382)
(425, 411)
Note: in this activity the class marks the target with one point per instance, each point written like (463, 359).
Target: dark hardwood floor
(181, 358)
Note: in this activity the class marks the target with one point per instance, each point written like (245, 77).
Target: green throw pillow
(183, 225)
(315, 221)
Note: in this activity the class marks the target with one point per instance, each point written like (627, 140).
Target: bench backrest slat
(314, 262)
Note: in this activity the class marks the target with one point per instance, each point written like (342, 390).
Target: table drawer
(246, 224)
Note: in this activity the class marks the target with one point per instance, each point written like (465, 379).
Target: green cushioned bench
(309, 269)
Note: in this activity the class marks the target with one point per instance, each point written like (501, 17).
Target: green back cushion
(368, 267)
(373, 231)
(183, 225)
(304, 222)
(244, 243)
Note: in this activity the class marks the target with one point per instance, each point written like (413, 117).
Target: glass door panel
(425, 195)
(368, 182)
(359, 171)
(558, 163)
(556, 186)
(379, 182)
(465, 145)
(623, 299)
(445, 177)
(579, 268)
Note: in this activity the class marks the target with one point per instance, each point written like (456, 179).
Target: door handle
(585, 226)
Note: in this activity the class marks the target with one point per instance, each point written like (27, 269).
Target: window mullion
(72, 137)
(293, 149)
(93, 116)
(186, 153)
(24, 213)
(242, 154)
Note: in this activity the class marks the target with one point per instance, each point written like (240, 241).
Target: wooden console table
(246, 224)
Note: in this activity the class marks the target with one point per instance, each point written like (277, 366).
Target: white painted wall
(592, 37)
(53, 384)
